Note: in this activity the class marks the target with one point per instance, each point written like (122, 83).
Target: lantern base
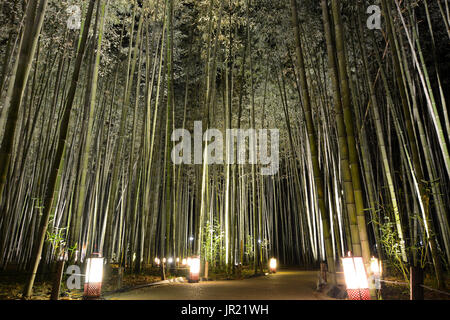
(358, 294)
(93, 298)
(92, 290)
(194, 278)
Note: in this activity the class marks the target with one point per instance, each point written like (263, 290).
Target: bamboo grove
(87, 115)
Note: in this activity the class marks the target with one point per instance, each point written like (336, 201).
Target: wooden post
(416, 281)
(206, 270)
(163, 271)
(242, 251)
(323, 272)
(57, 280)
(119, 277)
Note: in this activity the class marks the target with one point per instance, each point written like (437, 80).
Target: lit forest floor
(284, 285)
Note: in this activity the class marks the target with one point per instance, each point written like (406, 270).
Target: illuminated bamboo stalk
(37, 250)
(425, 81)
(421, 196)
(312, 142)
(93, 78)
(131, 64)
(35, 13)
(348, 119)
(384, 156)
(343, 146)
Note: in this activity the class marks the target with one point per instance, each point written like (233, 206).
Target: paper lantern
(375, 266)
(273, 265)
(376, 270)
(94, 276)
(194, 270)
(356, 278)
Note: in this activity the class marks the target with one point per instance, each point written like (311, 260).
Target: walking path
(284, 285)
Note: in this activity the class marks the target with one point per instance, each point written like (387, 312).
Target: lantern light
(178, 260)
(157, 261)
(377, 270)
(273, 265)
(194, 269)
(164, 260)
(356, 278)
(375, 266)
(184, 262)
(94, 276)
(189, 261)
(170, 260)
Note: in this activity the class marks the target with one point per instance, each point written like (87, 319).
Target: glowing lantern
(189, 261)
(356, 278)
(377, 270)
(164, 260)
(184, 262)
(273, 265)
(375, 266)
(194, 270)
(157, 261)
(170, 260)
(94, 276)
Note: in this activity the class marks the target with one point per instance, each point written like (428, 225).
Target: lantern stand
(163, 269)
(205, 277)
(323, 272)
(376, 271)
(356, 278)
(94, 277)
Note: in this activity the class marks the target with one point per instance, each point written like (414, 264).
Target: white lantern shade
(195, 266)
(94, 270)
(170, 260)
(273, 264)
(375, 266)
(184, 262)
(189, 261)
(355, 273)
